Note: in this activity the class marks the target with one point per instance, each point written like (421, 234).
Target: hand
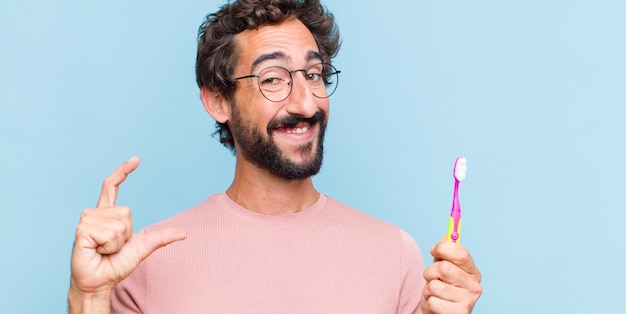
(105, 250)
(452, 281)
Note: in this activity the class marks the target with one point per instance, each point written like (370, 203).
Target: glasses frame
(334, 71)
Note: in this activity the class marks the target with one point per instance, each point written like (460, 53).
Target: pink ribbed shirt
(329, 258)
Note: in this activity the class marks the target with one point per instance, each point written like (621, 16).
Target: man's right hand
(105, 249)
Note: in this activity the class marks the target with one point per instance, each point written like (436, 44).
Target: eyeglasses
(276, 83)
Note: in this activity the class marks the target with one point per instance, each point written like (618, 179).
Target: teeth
(297, 130)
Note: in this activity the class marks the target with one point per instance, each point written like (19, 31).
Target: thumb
(443, 238)
(158, 239)
(434, 249)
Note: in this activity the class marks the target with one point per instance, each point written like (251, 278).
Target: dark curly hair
(217, 55)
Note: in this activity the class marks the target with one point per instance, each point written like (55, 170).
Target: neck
(260, 191)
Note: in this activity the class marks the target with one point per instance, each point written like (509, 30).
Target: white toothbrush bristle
(460, 168)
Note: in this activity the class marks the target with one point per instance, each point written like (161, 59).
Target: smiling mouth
(295, 124)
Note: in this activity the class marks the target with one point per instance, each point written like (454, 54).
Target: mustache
(291, 121)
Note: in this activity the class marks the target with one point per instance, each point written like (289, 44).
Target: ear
(215, 104)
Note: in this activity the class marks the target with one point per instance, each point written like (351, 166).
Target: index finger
(110, 185)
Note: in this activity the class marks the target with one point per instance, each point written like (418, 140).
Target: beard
(263, 151)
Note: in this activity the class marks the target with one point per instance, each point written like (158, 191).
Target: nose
(301, 101)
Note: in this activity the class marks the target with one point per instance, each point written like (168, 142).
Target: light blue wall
(531, 92)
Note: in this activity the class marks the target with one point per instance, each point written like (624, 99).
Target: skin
(106, 251)
(253, 187)
(452, 280)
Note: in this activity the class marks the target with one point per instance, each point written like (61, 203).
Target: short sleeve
(412, 268)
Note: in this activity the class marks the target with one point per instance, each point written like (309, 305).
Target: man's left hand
(452, 281)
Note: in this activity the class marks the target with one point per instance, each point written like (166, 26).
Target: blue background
(531, 92)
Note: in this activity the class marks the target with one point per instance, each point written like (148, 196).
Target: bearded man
(271, 243)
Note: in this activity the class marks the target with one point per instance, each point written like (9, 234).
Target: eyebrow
(279, 55)
(312, 55)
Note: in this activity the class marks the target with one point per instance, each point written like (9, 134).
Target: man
(271, 243)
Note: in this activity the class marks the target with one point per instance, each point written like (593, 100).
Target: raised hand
(452, 281)
(105, 250)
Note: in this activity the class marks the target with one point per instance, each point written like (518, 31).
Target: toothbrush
(454, 225)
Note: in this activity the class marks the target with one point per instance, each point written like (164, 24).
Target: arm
(105, 249)
(452, 281)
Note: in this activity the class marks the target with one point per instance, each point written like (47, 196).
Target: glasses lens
(275, 83)
(323, 78)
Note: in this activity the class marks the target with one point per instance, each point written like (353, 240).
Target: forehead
(287, 43)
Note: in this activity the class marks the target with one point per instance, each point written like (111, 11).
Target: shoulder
(347, 212)
(196, 215)
(384, 236)
(357, 219)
